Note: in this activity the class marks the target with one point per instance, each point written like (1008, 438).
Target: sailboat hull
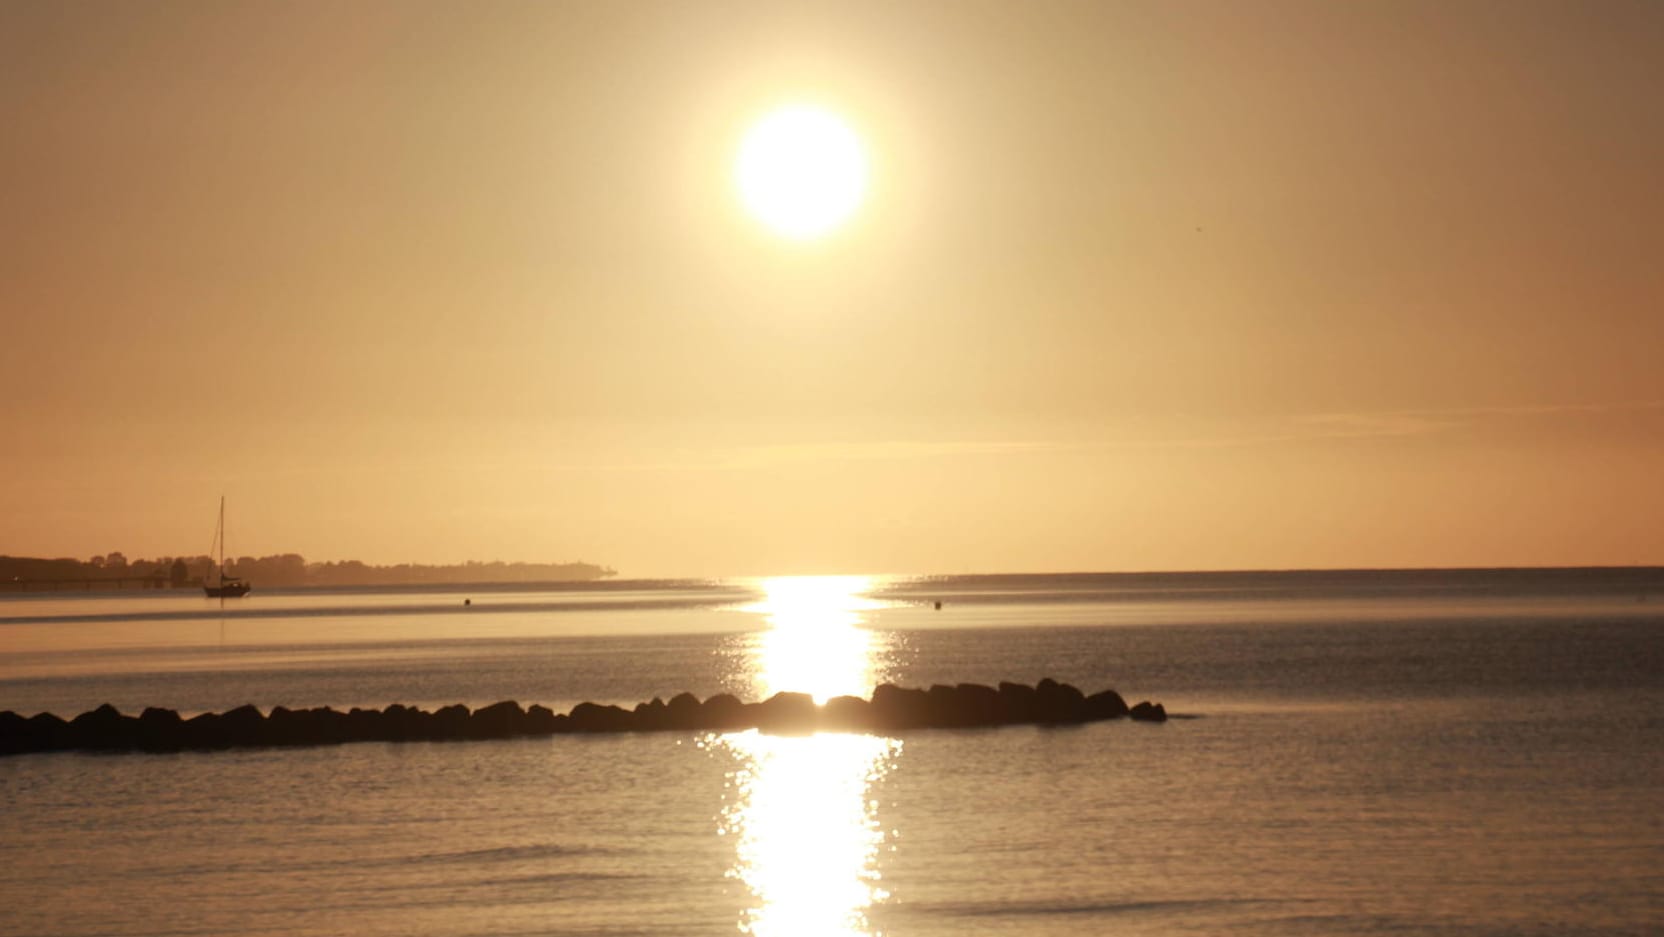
(230, 590)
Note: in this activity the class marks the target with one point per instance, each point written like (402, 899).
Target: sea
(1476, 753)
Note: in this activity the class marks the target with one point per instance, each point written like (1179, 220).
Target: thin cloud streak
(1296, 428)
(1314, 427)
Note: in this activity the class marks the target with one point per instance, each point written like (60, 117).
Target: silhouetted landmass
(1251, 585)
(288, 570)
(891, 709)
(354, 573)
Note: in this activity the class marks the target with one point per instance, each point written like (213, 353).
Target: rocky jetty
(891, 709)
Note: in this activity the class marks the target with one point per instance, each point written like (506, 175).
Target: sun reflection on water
(805, 825)
(815, 642)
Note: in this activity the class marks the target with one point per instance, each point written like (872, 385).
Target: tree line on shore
(286, 570)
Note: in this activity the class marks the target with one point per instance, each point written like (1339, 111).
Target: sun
(802, 171)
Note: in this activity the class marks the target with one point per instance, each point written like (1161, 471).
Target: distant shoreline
(114, 573)
(606, 585)
(1643, 580)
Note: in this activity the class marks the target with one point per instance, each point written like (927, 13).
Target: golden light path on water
(801, 810)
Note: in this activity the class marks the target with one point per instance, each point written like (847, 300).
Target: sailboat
(225, 587)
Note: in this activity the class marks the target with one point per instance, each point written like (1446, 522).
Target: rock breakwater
(890, 709)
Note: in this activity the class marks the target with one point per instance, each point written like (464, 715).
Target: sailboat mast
(219, 538)
(224, 586)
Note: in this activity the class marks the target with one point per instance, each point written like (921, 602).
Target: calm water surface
(1368, 757)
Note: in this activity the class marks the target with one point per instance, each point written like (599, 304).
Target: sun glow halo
(801, 171)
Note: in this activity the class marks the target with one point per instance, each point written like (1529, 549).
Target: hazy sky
(1139, 285)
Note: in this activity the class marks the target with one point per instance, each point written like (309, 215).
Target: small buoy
(467, 601)
(938, 606)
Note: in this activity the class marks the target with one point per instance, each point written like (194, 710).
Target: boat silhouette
(224, 587)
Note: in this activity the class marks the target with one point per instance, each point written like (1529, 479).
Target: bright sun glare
(815, 643)
(801, 171)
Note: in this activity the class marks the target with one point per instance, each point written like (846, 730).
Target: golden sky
(1135, 285)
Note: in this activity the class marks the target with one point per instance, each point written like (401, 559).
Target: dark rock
(400, 723)
(1017, 702)
(787, 714)
(206, 731)
(498, 721)
(43, 732)
(1057, 703)
(941, 705)
(14, 734)
(103, 728)
(980, 704)
(1107, 704)
(449, 722)
(722, 711)
(160, 717)
(594, 717)
(365, 725)
(282, 728)
(286, 726)
(541, 720)
(332, 723)
(1149, 712)
(846, 714)
(683, 712)
(652, 716)
(243, 726)
(161, 730)
(317, 726)
(50, 733)
(895, 707)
